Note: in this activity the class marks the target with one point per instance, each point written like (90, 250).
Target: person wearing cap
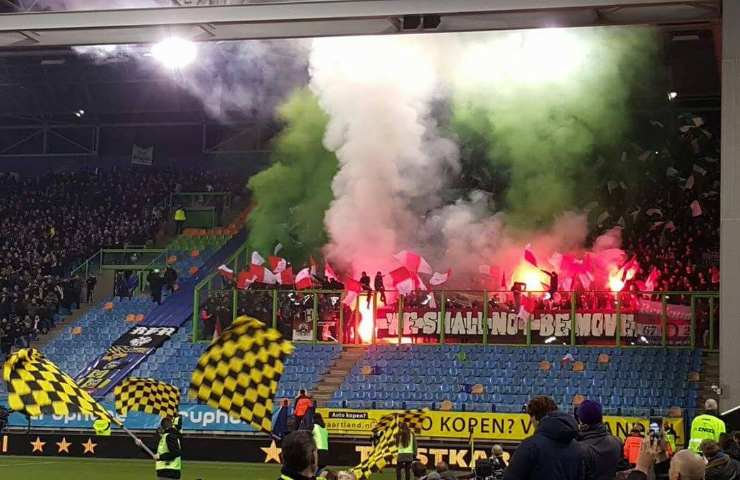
(706, 426)
(605, 448)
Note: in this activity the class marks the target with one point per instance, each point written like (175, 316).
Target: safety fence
(624, 319)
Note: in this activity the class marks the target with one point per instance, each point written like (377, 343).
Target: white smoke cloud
(378, 92)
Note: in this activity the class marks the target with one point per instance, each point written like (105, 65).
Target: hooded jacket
(552, 453)
(722, 467)
(605, 450)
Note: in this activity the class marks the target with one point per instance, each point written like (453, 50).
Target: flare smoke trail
(393, 161)
(542, 101)
(294, 192)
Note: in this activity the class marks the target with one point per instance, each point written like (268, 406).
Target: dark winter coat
(552, 453)
(722, 467)
(605, 450)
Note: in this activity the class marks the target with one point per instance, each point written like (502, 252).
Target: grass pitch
(50, 468)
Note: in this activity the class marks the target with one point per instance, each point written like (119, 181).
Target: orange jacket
(302, 405)
(632, 447)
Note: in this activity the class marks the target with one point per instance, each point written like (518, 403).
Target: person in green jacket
(169, 449)
(321, 437)
(706, 426)
(179, 219)
(102, 427)
(406, 452)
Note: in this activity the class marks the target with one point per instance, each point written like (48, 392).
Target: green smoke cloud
(538, 138)
(292, 195)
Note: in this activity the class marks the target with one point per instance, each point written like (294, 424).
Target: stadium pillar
(729, 319)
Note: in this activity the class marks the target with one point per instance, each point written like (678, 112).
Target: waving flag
(239, 372)
(529, 256)
(695, 208)
(402, 280)
(263, 275)
(329, 273)
(257, 258)
(303, 279)
(245, 279)
(352, 290)
(285, 277)
(652, 279)
(147, 395)
(440, 278)
(413, 262)
(277, 264)
(226, 272)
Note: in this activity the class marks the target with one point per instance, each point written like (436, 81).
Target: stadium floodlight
(79, 113)
(672, 96)
(550, 340)
(174, 52)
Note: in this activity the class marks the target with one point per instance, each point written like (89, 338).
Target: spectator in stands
(633, 443)
(706, 426)
(90, 284)
(553, 451)
(444, 471)
(321, 437)
(155, 282)
(605, 448)
(406, 452)
(729, 445)
(179, 220)
(720, 466)
(379, 286)
(419, 470)
(300, 459)
(685, 465)
(303, 403)
(170, 278)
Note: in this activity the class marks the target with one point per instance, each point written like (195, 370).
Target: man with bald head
(706, 426)
(685, 465)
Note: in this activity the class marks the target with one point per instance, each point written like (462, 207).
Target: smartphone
(656, 428)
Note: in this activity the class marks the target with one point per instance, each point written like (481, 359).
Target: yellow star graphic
(89, 446)
(272, 453)
(38, 445)
(63, 445)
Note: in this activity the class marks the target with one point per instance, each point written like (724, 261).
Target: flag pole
(136, 439)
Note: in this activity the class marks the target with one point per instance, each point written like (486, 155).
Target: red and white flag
(489, 270)
(652, 280)
(303, 279)
(695, 209)
(440, 278)
(529, 255)
(352, 289)
(413, 262)
(329, 272)
(257, 258)
(526, 307)
(245, 279)
(277, 264)
(402, 280)
(226, 272)
(263, 275)
(285, 277)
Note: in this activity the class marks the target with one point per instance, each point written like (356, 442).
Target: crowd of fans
(564, 446)
(51, 223)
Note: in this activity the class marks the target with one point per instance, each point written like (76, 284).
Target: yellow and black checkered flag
(147, 395)
(384, 451)
(239, 372)
(36, 386)
(413, 418)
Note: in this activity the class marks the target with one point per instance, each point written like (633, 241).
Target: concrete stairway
(709, 377)
(339, 370)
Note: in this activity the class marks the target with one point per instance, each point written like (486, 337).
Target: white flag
(257, 258)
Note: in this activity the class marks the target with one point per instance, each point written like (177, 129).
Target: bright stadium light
(175, 53)
(672, 96)
(550, 340)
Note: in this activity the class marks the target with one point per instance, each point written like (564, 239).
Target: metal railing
(626, 319)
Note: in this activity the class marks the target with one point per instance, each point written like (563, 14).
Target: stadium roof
(204, 20)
